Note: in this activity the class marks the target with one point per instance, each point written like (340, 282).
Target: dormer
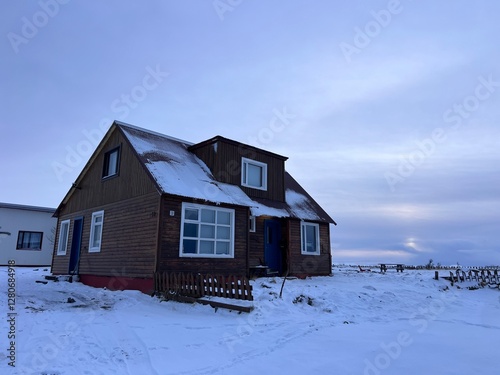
(259, 173)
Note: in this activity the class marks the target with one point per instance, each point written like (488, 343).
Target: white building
(26, 235)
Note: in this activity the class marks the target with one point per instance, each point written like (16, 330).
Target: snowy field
(350, 323)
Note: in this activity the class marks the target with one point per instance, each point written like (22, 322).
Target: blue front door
(76, 244)
(272, 242)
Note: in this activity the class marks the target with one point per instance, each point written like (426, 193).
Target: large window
(206, 231)
(29, 240)
(253, 174)
(111, 163)
(96, 232)
(63, 238)
(309, 238)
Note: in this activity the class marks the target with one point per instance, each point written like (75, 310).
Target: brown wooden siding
(301, 265)
(225, 165)
(131, 181)
(129, 239)
(256, 245)
(169, 259)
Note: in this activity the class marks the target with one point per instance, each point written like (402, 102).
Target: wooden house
(147, 203)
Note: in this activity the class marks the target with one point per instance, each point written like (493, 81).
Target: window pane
(113, 163)
(223, 233)
(63, 238)
(35, 240)
(208, 216)
(26, 240)
(191, 214)
(20, 240)
(223, 218)
(207, 231)
(190, 230)
(254, 175)
(96, 240)
(97, 219)
(64, 233)
(206, 247)
(311, 245)
(222, 248)
(189, 246)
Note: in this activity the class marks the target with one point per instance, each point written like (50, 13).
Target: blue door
(76, 244)
(272, 242)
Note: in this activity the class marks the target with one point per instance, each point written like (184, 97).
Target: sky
(387, 110)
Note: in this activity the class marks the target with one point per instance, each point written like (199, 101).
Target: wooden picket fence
(171, 284)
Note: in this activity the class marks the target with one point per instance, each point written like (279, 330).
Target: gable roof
(177, 171)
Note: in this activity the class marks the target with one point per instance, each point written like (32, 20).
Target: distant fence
(198, 285)
(482, 275)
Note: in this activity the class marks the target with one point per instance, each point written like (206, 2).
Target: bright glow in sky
(388, 110)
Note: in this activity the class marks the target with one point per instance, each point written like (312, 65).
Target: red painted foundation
(119, 283)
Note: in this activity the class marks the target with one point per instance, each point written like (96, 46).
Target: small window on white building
(96, 232)
(63, 238)
(309, 233)
(29, 240)
(253, 174)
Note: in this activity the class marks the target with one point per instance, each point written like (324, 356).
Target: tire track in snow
(123, 346)
(251, 354)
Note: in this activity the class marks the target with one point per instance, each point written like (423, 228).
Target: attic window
(111, 163)
(253, 174)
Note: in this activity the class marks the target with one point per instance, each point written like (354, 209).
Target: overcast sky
(387, 110)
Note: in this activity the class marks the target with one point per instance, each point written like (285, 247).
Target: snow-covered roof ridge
(124, 124)
(13, 206)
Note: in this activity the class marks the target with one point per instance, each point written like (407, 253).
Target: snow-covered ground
(350, 323)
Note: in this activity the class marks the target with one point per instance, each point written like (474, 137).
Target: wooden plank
(215, 304)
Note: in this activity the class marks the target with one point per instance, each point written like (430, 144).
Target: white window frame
(93, 225)
(199, 238)
(303, 247)
(63, 245)
(245, 163)
(252, 223)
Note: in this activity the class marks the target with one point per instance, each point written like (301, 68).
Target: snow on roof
(27, 208)
(300, 205)
(178, 171)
